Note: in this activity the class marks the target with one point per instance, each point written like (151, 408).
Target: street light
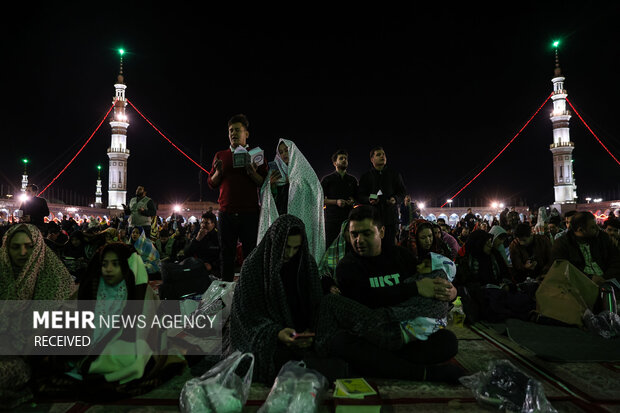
(449, 201)
(588, 199)
(176, 208)
(421, 205)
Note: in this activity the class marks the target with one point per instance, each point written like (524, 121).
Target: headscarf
(43, 277)
(305, 199)
(148, 252)
(260, 306)
(438, 246)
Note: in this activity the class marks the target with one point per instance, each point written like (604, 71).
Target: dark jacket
(603, 251)
(541, 253)
(391, 184)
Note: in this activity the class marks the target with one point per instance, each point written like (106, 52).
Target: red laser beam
(593, 134)
(78, 152)
(500, 152)
(169, 141)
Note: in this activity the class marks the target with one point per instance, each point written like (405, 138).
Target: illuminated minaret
(118, 152)
(562, 147)
(98, 193)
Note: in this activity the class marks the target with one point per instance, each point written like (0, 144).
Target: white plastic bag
(296, 389)
(222, 389)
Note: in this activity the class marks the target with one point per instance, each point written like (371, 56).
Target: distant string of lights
(500, 152)
(593, 134)
(169, 141)
(78, 152)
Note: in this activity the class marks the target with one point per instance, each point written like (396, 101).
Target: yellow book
(353, 388)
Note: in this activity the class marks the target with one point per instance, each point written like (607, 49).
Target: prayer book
(242, 157)
(356, 396)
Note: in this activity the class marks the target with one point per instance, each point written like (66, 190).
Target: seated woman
(74, 255)
(146, 250)
(422, 241)
(293, 188)
(276, 297)
(121, 361)
(29, 270)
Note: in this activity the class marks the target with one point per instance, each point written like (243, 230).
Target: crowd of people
(330, 271)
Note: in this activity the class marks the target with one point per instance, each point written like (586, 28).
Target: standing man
(141, 211)
(239, 210)
(383, 188)
(340, 190)
(34, 208)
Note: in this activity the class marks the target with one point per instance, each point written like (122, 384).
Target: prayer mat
(565, 344)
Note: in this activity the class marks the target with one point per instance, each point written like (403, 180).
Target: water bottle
(306, 390)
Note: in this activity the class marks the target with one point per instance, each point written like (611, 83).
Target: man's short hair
(209, 215)
(33, 187)
(375, 149)
(555, 219)
(441, 221)
(339, 152)
(612, 222)
(363, 212)
(523, 230)
(581, 219)
(240, 118)
(570, 213)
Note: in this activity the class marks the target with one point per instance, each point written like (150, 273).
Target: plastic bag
(221, 389)
(605, 324)
(216, 301)
(507, 388)
(296, 389)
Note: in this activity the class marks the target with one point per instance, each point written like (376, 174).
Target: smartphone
(302, 335)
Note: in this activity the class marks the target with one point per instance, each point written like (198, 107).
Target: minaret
(562, 147)
(98, 193)
(25, 175)
(118, 152)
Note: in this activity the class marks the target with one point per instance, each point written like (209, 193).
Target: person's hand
(444, 290)
(426, 287)
(286, 336)
(217, 164)
(334, 290)
(350, 201)
(530, 265)
(250, 168)
(208, 266)
(274, 178)
(341, 203)
(201, 234)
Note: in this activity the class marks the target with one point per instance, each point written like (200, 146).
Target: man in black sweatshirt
(379, 277)
(374, 275)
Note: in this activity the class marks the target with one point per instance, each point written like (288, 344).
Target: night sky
(441, 89)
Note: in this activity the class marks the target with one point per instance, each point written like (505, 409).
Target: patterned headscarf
(260, 306)
(412, 243)
(145, 248)
(43, 277)
(305, 199)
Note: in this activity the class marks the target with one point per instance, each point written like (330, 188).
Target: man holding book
(238, 185)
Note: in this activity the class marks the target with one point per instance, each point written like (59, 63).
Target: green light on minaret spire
(121, 51)
(556, 44)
